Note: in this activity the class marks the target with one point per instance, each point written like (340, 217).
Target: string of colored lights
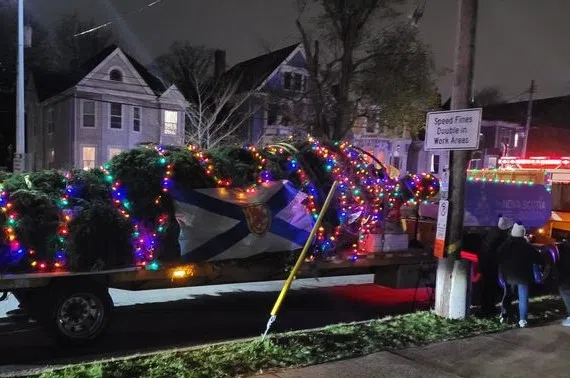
(17, 252)
(66, 215)
(499, 181)
(144, 240)
(208, 166)
(262, 174)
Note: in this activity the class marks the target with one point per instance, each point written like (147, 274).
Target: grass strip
(303, 348)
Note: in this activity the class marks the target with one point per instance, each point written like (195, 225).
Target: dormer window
(116, 75)
(295, 82)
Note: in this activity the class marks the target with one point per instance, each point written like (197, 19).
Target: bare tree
(220, 106)
(344, 25)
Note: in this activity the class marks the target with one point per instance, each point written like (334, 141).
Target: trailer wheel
(79, 313)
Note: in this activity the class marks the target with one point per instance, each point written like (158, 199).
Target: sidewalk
(530, 352)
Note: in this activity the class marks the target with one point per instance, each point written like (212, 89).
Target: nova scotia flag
(226, 224)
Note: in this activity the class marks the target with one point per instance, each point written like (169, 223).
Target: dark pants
(489, 291)
(508, 296)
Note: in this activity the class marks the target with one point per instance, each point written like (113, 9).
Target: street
(161, 319)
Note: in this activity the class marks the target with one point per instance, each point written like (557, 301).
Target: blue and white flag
(226, 224)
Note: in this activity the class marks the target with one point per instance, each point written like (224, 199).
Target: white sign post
(453, 130)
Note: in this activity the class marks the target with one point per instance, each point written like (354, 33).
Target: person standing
(516, 259)
(563, 273)
(488, 265)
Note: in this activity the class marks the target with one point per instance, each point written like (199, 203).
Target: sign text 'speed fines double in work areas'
(453, 130)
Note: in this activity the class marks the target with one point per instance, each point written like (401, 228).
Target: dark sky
(517, 40)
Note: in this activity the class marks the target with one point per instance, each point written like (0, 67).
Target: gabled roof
(553, 111)
(49, 83)
(253, 72)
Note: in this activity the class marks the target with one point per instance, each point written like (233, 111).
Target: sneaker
(566, 322)
(523, 323)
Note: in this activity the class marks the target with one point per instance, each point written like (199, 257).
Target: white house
(110, 104)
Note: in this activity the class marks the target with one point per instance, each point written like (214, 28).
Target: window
(287, 78)
(114, 151)
(294, 81)
(272, 114)
(116, 116)
(88, 158)
(298, 82)
(51, 156)
(170, 122)
(88, 111)
(435, 164)
(116, 75)
(50, 123)
(136, 119)
(516, 139)
(396, 162)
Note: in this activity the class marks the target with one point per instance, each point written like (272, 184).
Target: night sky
(517, 40)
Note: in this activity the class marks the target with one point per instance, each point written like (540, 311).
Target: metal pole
(289, 281)
(20, 109)
(528, 119)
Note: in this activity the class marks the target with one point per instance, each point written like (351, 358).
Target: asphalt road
(161, 319)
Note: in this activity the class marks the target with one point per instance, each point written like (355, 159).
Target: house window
(435, 163)
(116, 116)
(114, 151)
(50, 123)
(88, 157)
(170, 122)
(136, 119)
(51, 156)
(116, 75)
(396, 162)
(88, 111)
(287, 79)
(294, 81)
(272, 114)
(516, 139)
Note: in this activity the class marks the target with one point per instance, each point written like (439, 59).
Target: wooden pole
(453, 274)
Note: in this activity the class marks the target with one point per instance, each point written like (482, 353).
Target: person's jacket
(516, 259)
(489, 249)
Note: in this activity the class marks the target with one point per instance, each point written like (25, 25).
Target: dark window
(435, 164)
(272, 114)
(88, 113)
(396, 162)
(116, 75)
(116, 116)
(298, 82)
(136, 119)
(287, 80)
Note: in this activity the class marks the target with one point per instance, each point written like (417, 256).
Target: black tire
(78, 312)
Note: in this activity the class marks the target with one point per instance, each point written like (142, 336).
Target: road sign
(453, 130)
(442, 215)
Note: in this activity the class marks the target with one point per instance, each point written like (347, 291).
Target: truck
(227, 235)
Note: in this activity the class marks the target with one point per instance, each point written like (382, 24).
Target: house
(277, 83)
(112, 103)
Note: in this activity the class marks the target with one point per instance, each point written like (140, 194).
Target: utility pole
(528, 119)
(19, 157)
(453, 274)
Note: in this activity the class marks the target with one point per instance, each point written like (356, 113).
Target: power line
(103, 25)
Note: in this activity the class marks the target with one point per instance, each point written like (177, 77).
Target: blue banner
(484, 202)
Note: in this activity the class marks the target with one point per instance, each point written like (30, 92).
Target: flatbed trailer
(76, 308)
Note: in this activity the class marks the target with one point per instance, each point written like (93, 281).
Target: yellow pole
(300, 259)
